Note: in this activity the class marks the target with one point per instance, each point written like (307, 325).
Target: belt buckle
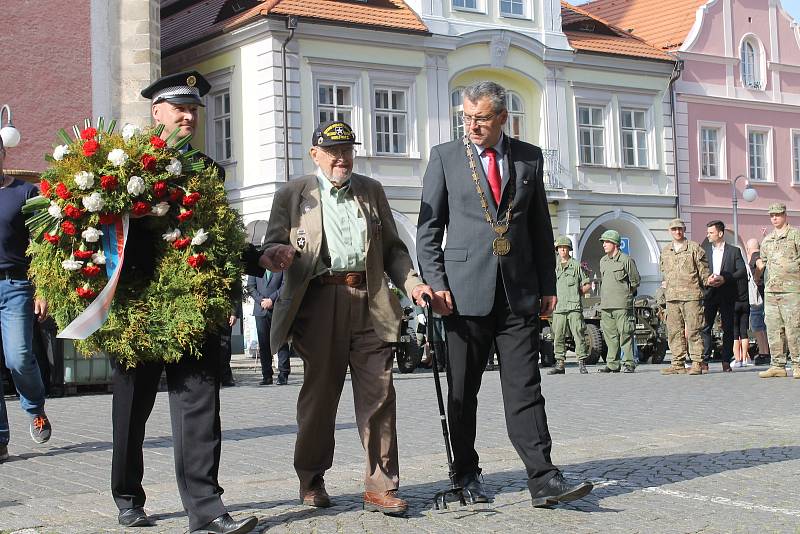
(353, 279)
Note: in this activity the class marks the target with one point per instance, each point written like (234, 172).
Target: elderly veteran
(333, 235)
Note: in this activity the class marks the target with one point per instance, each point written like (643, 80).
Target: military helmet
(563, 241)
(611, 235)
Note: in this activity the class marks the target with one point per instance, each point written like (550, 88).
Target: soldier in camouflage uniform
(685, 269)
(571, 284)
(780, 256)
(620, 278)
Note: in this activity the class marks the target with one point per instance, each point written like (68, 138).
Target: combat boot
(674, 370)
(558, 369)
(773, 372)
(697, 369)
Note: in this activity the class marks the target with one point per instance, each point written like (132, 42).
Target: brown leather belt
(351, 279)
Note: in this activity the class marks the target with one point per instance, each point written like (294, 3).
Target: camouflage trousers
(618, 326)
(569, 322)
(685, 320)
(782, 315)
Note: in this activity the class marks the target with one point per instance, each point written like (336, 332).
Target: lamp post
(9, 134)
(749, 194)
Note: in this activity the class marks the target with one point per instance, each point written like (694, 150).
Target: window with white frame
(456, 113)
(750, 64)
(591, 134)
(220, 119)
(796, 157)
(391, 121)
(465, 4)
(758, 152)
(514, 8)
(515, 125)
(633, 129)
(710, 152)
(335, 102)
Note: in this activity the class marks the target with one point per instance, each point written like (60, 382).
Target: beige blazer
(296, 206)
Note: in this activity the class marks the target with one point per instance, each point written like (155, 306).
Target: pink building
(737, 109)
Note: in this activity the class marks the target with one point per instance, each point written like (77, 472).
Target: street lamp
(9, 134)
(749, 194)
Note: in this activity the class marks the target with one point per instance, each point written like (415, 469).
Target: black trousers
(197, 438)
(263, 323)
(725, 308)
(470, 342)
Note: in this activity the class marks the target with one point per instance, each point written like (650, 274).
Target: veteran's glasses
(348, 152)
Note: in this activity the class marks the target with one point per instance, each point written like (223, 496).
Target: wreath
(95, 183)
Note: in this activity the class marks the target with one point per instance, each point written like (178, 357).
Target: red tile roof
(662, 23)
(199, 19)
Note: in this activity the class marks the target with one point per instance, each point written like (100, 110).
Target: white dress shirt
(716, 257)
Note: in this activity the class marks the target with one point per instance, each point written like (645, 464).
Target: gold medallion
(501, 246)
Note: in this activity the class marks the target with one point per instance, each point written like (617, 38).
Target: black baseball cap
(333, 133)
(182, 88)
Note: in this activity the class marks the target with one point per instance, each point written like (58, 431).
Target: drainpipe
(676, 73)
(291, 25)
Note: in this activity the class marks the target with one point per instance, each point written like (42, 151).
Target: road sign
(625, 245)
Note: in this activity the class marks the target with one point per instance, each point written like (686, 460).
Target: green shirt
(344, 226)
(569, 280)
(620, 278)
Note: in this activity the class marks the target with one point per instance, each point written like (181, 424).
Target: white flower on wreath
(135, 185)
(54, 210)
(200, 237)
(60, 151)
(93, 202)
(129, 130)
(175, 167)
(98, 258)
(117, 157)
(160, 209)
(85, 180)
(91, 235)
(171, 235)
(71, 264)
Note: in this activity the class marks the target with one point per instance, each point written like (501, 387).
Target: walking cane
(440, 499)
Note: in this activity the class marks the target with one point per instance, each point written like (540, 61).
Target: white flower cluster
(171, 235)
(160, 209)
(175, 167)
(72, 264)
(91, 235)
(117, 157)
(200, 237)
(54, 210)
(60, 151)
(129, 130)
(135, 185)
(85, 180)
(93, 202)
(98, 258)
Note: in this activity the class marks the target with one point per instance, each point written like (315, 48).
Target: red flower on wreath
(90, 147)
(191, 199)
(185, 215)
(148, 162)
(196, 260)
(86, 292)
(176, 195)
(62, 191)
(182, 243)
(83, 254)
(160, 188)
(44, 188)
(140, 208)
(108, 218)
(108, 182)
(157, 142)
(88, 133)
(72, 212)
(68, 228)
(51, 238)
(91, 271)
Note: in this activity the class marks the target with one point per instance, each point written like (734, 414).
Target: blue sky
(792, 6)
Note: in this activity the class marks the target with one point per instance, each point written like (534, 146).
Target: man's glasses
(340, 153)
(478, 121)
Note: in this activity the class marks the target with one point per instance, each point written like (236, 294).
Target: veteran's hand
(231, 320)
(422, 289)
(548, 305)
(40, 309)
(443, 302)
(277, 258)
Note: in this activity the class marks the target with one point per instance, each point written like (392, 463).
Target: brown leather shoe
(704, 366)
(316, 496)
(388, 503)
(726, 367)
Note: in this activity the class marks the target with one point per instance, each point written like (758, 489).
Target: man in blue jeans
(17, 309)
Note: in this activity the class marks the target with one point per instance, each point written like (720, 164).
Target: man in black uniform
(193, 383)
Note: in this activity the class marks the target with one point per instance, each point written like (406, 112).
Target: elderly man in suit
(333, 234)
(727, 267)
(495, 276)
(265, 291)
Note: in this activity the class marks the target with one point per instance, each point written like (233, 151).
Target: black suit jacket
(259, 289)
(466, 267)
(733, 270)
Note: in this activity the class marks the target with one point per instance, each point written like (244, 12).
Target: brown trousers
(332, 331)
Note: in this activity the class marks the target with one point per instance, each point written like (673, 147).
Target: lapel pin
(301, 238)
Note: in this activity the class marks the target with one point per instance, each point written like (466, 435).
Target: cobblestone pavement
(712, 453)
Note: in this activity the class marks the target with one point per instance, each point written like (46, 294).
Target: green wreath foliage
(166, 317)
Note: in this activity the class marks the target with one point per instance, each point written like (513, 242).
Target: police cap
(181, 88)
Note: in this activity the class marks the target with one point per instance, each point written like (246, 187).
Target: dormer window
(751, 65)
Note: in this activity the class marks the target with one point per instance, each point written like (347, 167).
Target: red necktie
(494, 174)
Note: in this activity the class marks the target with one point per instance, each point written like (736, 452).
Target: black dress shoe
(628, 369)
(266, 382)
(473, 489)
(134, 517)
(282, 380)
(225, 524)
(228, 383)
(608, 369)
(557, 490)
